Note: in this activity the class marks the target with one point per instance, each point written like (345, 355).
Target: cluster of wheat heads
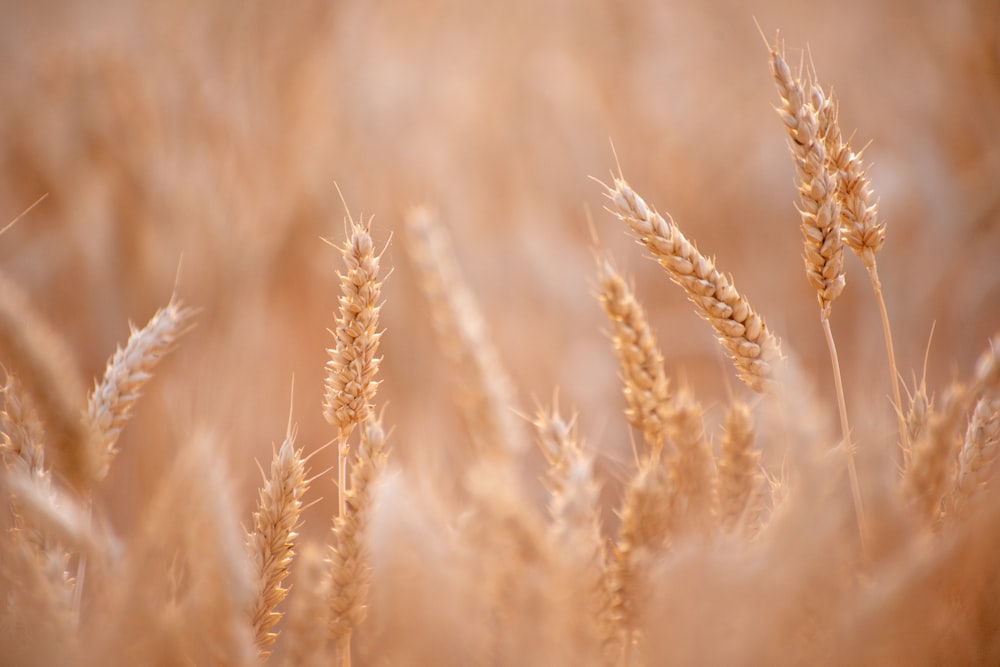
(712, 559)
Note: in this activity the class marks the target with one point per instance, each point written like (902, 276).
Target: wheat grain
(742, 332)
(109, 405)
(861, 228)
(644, 381)
(271, 543)
(350, 372)
(820, 209)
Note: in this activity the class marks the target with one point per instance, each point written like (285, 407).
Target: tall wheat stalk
(820, 209)
(349, 391)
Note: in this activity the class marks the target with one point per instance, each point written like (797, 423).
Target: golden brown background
(218, 132)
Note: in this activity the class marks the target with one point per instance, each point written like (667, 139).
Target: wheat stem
(890, 352)
(845, 429)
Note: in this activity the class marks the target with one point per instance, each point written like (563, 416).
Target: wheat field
(329, 334)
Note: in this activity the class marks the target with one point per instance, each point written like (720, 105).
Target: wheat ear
(861, 229)
(691, 468)
(742, 332)
(927, 476)
(22, 453)
(350, 371)
(109, 405)
(645, 520)
(21, 433)
(271, 543)
(305, 630)
(349, 560)
(485, 391)
(979, 450)
(576, 531)
(644, 382)
(741, 482)
(45, 368)
(819, 208)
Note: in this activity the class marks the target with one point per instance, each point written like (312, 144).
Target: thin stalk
(343, 449)
(345, 652)
(845, 427)
(893, 375)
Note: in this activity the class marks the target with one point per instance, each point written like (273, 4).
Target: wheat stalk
(22, 453)
(485, 391)
(350, 371)
(742, 332)
(741, 484)
(271, 543)
(644, 381)
(979, 451)
(349, 560)
(819, 208)
(926, 478)
(350, 380)
(645, 521)
(109, 405)
(691, 468)
(861, 229)
(306, 623)
(576, 533)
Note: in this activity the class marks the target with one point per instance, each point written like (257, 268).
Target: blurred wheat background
(204, 142)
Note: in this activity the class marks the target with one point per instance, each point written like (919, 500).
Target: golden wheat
(677, 557)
